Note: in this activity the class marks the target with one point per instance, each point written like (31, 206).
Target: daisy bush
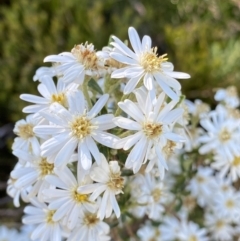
(112, 150)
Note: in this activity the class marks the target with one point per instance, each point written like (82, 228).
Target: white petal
(49, 83)
(177, 75)
(65, 153)
(105, 138)
(123, 59)
(98, 106)
(146, 43)
(135, 40)
(115, 205)
(34, 99)
(168, 91)
(123, 48)
(132, 83)
(104, 122)
(132, 110)
(93, 149)
(58, 58)
(126, 123)
(84, 156)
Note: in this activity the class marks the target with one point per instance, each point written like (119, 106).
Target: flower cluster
(111, 140)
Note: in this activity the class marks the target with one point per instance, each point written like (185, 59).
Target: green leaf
(94, 85)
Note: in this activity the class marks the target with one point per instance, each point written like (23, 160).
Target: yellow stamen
(151, 62)
(25, 131)
(81, 127)
(46, 168)
(152, 130)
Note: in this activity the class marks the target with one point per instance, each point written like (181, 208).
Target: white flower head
(77, 128)
(82, 61)
(109, 182)
(50, 94)
(152, 124)
(40, 214)
(90, 227)
(227, 166)
(65, 199)
(27, 139)
(222, 133)
(32, 175)
(229, 96)
(144, 63)
(219, 226)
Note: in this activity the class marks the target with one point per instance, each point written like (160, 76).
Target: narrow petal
(135, 40)
(93, 149)
(98, 106)
(126, 123)
(105, 138)
(65, 153)
(84, 156)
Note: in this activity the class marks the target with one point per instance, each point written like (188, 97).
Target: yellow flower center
(25, 131)
(90, 219)
(152, 130)
(86, 55)
(220, 224)
(156, 194)
(200, 179)
(236, 161)
(192, 238)
(169, 148)
(59, 98)
(78, 197)
(81, 127)
(151, 62)
(230, 203)
(49, 216)
(232, 91)
(116, 182)
(46, 168)
(224, 135)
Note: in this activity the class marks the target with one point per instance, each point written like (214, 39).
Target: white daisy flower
(226, 204)
(90, 227)
(144, 63)
(108, 180)
(152, 197)
(27, 139)
(148, 232)
(17, 193)
(170, 228)
(219, 226)
(197, 108)
(66, 200)
(228, 96)
(32, 175)
(222, 133)
(77, 127)
(202, 185)
(227, 166)
(51, 94)
(191, 232)
(82, 61)
(47, 228)
(152, 124)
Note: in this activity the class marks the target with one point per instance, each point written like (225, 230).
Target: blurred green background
(201, 38)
